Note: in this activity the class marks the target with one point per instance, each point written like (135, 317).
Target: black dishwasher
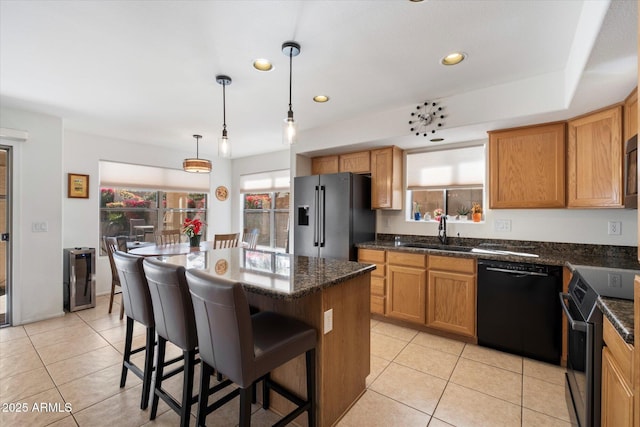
(518, 309)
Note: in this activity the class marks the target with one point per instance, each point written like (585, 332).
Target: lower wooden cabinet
(451, 295)
(617, 371)
(378, 277)
(406, 296)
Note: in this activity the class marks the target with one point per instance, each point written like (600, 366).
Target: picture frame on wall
(78, 186)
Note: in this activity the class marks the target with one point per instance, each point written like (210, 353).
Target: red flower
(192, 227)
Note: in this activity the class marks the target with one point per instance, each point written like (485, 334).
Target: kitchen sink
(437, 247)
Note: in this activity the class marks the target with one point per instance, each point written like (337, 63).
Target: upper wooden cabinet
(594, 160)
(631, 115)
(527, 167)
(324, 164)
(386, 178)
(359, 162)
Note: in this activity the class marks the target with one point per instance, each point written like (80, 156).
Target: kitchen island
(306, 288)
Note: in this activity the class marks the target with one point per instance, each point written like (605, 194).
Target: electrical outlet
(328, 321)
(615, 280)
(502, 225)
(614, 228)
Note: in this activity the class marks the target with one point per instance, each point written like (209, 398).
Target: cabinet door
(594, 160)
(406, 293)
(617, 397)
(386, 178)
(324, 165)
(359, 162)
(451, 302)
(527, 167)
(631, 115)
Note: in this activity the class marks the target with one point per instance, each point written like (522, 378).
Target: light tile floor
(416, 379)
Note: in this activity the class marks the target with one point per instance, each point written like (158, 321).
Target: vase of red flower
(193, 229)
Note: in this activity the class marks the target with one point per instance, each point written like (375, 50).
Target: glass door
(5, 247)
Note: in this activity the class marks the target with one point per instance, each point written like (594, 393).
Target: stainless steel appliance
(332, 214)
(584, 337)
(79, 267)
(518, 309)
(631, 173)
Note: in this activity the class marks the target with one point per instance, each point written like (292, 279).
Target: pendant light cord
(224, 108)
(290, 74)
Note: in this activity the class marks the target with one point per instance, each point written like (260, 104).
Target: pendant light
(224, 149)
(197, 165)
(290, 49)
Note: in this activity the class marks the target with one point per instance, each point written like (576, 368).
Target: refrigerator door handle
(321, 218)
(317, 212)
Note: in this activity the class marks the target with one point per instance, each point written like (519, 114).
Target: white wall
(81, 216)
(38, 190)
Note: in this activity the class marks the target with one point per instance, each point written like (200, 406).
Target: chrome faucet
(442, 229)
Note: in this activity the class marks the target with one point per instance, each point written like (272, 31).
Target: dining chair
(168, 237)
(139, 234)
(111, 245)
(245, 348)
(226, 240)
(136, 300)
(175, 323)
(250, 237)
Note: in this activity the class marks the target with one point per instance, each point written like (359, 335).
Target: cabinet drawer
(447, 263)
(377, 304)
(620, 350)
(371, 255)
(378, 286)
(410, 260)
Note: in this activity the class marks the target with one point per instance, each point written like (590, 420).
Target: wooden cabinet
(386, 178)
(617, 370)
(631, 115)
(359, 162)
(378, 277)
(407, 285)
(594, 160)
(451, 295)
(527, 167)
(324, 164)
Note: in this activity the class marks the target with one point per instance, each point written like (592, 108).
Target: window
(265, 207)
(451, 180)
(136, 215)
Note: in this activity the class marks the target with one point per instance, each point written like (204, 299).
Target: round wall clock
(427, 118)
(222, 193)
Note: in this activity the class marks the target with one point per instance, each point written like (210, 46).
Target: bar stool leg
(311, 386)
(162, 344)
(127, 352)
(187, 387)
(245, 407)
(148, 367)
(206, 372)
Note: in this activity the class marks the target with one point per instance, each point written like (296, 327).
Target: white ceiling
(145, 71)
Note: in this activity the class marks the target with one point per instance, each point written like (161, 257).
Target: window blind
(456, 167)
(151, 178)
(265, 182)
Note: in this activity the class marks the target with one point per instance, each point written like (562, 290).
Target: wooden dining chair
(226, 240)
(250, 237)
(111, 245)
(168, 237)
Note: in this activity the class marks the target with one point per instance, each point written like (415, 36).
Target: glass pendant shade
(197, 165)
(224, 148)
(289, 130)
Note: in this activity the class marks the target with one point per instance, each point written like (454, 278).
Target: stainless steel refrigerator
(332, 214)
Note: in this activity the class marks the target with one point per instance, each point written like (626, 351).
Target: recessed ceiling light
(321, 98)
(262, 65)
(436, 139)
(453, 58)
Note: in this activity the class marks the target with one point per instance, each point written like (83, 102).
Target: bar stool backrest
(135, 290)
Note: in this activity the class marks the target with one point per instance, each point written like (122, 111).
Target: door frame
(9, 229)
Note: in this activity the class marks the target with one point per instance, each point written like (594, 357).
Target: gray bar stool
(173, 313)
(137, 306)
(245, 348)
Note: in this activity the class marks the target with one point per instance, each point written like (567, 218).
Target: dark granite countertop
(270, 273)
(619, 312)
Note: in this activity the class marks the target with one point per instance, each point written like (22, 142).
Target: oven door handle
(576, 325)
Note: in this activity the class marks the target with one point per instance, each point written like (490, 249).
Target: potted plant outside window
(463, 213)
(476, 212)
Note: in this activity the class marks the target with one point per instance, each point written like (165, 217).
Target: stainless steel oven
(584, 337)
